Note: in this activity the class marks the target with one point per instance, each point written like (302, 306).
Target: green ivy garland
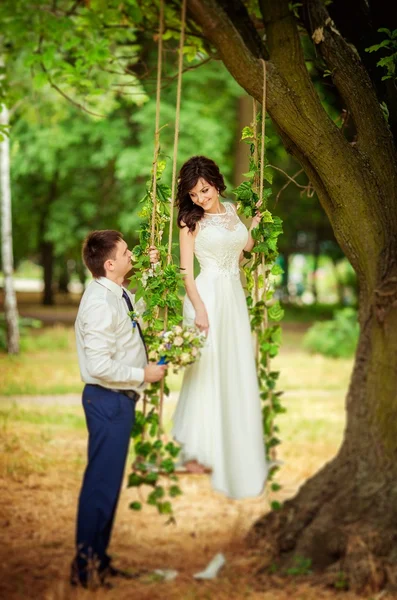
(161, 286)
(265, 312)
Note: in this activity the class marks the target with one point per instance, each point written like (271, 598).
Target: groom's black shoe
(114, 572)
(87, 582)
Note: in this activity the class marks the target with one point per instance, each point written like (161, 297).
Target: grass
(48, 365)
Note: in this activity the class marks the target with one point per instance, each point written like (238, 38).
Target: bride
(218, 420)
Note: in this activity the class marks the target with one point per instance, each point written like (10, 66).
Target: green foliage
(336, 338)
(161, 287)
(341, 582)
(294, 7)
(301, 566)
(259, 269)
(388, 62)
(25, 325)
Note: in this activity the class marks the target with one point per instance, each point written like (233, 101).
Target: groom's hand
(154, 372)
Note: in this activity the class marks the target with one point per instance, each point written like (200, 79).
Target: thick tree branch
(358, 22)
(238, 14)
(345, 180)
(355, 87)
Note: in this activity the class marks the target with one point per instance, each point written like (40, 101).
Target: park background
(72, 172)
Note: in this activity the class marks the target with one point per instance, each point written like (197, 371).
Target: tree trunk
(241, 157)
(338, 284)
(345, 517)
(64, 278)
(316, 256)
(80, 268)
(47, 260)
(10, 303)
(46, 247)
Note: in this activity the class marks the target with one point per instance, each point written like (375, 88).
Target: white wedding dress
(218, 418)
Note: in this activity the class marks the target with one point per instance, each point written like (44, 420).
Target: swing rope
(262, 163)
(156, 149)
(177, 118)
(261, 268)
(157, 125)
(265, 322)
(173, 185)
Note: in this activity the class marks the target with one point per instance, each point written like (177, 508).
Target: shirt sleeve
(99, 324)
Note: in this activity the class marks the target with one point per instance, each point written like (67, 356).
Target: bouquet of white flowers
(179, 346)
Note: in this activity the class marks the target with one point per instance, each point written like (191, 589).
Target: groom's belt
(130, 393)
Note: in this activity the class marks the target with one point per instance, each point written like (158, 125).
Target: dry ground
(43, 446)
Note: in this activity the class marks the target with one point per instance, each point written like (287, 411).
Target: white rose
(178, 341)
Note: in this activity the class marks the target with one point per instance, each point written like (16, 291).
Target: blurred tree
(73, 172)
(10, 305)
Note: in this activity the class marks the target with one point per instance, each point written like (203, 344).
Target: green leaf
(243, 191)
(134, 480)
(267, 217)
(135, 506)
(375, 47)
(175, 491)
(275, 312)
(277, 269)
(165, 508)
(247, 133)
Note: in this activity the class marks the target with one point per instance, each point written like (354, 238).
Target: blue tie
(131, 309)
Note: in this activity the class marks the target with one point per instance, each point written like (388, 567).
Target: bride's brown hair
(191, 171)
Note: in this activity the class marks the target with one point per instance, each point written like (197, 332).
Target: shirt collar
(111, 286)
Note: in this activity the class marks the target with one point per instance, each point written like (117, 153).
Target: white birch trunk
(10, 304)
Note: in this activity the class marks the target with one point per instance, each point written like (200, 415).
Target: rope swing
(160, 285)
(173, 185)
(261, 283)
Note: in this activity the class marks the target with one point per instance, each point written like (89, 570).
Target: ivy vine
(260, 269)
(161, 286)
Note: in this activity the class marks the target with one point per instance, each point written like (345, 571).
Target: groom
(113, 364)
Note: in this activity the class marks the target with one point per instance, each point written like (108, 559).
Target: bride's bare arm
(250, 242)
(186, 241)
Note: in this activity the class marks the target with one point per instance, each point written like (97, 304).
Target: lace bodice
(219, 242)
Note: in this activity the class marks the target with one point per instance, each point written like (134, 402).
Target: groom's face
(120, 265)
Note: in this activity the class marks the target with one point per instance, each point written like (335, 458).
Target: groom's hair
(98, 247)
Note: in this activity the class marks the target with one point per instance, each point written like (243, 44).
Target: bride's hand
(201, 320)
(256, 220)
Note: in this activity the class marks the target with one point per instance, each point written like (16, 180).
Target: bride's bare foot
(192, 466)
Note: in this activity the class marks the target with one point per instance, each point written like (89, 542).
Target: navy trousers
(110, 417)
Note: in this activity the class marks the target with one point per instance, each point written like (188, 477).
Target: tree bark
(10, 303)
(316, 257)
(47, 260)
(46, 247)
(344, 518)
(241, 157)
(64, 277)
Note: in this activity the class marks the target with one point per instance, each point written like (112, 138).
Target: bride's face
(204, 194)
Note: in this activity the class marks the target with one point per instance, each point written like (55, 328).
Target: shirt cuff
(140, 377)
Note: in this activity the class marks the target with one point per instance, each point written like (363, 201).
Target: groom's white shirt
(110, 350)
